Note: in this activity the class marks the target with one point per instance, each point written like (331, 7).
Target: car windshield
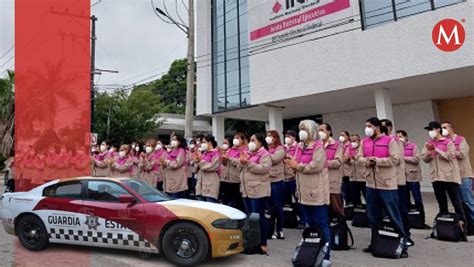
(147, 192)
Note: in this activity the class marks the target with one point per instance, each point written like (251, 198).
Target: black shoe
(367, 249)
(410, 242)
(404, 254)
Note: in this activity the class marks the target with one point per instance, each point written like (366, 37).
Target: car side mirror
(126, 199)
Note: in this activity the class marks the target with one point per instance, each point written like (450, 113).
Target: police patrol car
(125, 214)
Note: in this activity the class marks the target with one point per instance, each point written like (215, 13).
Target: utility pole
(93, 39)
(189, 113)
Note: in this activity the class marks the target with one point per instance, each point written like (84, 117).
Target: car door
(61, 211)
(110, 223)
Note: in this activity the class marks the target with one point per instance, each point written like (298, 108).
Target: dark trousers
(257, 205)
(206, 199)
(403, 205)
(413, 189)
(358, 189)
(181, 194)
(336, 205)
(191, 192)
(377, 200)
(444, 189)
(277, 203)
(317, 216)
(231, 196)
(346, 190)
(159, 186)
(289, 189)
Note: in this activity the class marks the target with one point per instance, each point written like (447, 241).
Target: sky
(130, 39)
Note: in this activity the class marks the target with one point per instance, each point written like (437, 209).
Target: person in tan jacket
(358, 178)
(148, 164)
(401, 179)
(121, 166)
(312, 180)
(440, 153)
(334, 151)
(255, 182)
(208, 160)
(231, 194)
(277, 174)
(379, 153)
(412, 170)
(465, 169)
(175, 181)
(347, 170)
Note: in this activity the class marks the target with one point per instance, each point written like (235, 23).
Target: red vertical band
(52, 90)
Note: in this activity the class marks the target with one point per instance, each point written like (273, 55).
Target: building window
(378, 12)
(230, 63)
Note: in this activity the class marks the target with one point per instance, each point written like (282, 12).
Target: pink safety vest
(378, 148)
(209, 155)
(256, 156)
(122, 162)
(272, 150)
(173, 155)
(305, 155)
(291, 150)
(457, 141)
(409, 149)
(331, 150)
(234, 153)
(441, 144)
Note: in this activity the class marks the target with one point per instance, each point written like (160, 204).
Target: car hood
(226, 211)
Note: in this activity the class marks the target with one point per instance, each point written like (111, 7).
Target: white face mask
(354, 145)
(342, 139)
(111, 150)
(403, 140)
(174, 144)
(369, 132)
(433, 134)
(252, 146)
(93, 150)
(444, 132)
(103, 148)
(236, 142)
(225, 146)
(122, 154)
(287, 140)
(303, 135)
(204, 147)
(158, 147)
(269, 140)
(192, 146)
(133, 146)
(322, 135)
(148, 149)
(137, 148)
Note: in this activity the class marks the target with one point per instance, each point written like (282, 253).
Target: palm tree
(7, 117)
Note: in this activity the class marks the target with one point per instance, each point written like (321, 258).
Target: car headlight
(228, 224)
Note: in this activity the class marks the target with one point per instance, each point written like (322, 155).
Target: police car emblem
(92, 222)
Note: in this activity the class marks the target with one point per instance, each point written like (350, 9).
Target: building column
(275, 120)
(383, 104)
(218, 128)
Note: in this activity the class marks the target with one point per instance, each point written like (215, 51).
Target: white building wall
(204, 57)
(411, 117)
(391, 51)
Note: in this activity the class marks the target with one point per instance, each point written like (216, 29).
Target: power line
(8, 51)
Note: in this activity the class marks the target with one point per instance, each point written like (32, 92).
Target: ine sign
(288, 18)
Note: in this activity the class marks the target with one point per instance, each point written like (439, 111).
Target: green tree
(7, 117)
(171, 87)
(124, 118)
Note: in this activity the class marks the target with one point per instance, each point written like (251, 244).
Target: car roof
(94, 178)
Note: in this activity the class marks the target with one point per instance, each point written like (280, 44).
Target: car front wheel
(32, 233)
(185, 244)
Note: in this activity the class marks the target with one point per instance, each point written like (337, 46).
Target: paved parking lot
(426, 252)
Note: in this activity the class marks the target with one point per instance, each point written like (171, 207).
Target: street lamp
(189, 31)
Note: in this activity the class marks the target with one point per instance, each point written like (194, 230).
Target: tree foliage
(124, 118)
(7, 117)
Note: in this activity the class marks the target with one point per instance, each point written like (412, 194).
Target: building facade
(337, 61)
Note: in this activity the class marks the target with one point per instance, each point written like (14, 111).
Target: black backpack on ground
(447, 227)
(311, 250)
(271, 218)
(349, 211)
(416, 217)
(340, 234)
(386, 242)
(290, 219)
(359, 218)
